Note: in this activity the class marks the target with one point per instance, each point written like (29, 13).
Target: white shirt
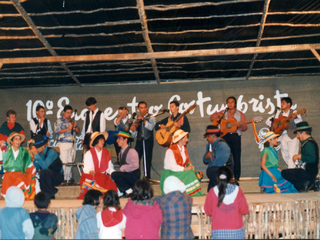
(88, 164)
(33, 127)
(170, 162)
(113, 232)
(91, 117)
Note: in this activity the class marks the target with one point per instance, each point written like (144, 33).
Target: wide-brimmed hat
(302, 126)
(95, 135)
(178, 135)
(270, 135)
(39, 140)
(12, 135)
(125, 135)
(211, 130)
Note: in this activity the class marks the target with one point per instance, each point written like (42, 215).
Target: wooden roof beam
(315, 53)
(34, 28)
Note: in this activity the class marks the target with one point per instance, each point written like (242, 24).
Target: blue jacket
(220, 154)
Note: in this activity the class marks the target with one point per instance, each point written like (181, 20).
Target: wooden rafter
(315, 53)
(34, 28)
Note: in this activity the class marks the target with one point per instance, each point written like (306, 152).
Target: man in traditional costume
(40, 125)
(18, 167)
(177, 163)
(97, 166)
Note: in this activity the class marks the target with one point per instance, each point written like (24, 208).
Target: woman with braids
(226, 204)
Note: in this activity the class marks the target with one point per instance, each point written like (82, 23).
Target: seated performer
(270, 179)
(177, 163)
(97, 166)
(18, 167)
(48, 164)
(129, 165)
(10, 126)
(303, 177)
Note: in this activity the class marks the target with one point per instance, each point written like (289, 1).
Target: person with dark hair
(97, 166)
(226, 204)
(270, 180)
(65, 129)
(44, 222)
(86, 216)
(129, 171)
(217, 154)
(121, 123)
(144, 134)
(40, 125)
(94, 121)
(289, 141)
(178, 164)
(233, 138)
(182, 124)
(10, 126)
(48, 164)
(144, 215)
(304, 175)
(176, 209)
(111, 219)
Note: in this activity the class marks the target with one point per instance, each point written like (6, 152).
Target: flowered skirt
(189, 179)
(281, 186)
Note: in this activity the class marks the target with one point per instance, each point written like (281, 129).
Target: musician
(64, 130)
(183, 123)
(94, 122)
(303, 177)
(144, 132)
(121, 124)
(233, 138)
(40, 125)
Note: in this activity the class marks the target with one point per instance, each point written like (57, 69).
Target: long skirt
(281, 186)
(98, 181)
(189, 179)
(26, 182)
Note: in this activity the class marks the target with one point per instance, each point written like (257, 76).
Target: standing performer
(94, 122)
(64, 130)
(121, 124)
(144, 134)
(10, 126)
(234, 138)
(183, 123)
(289, 142)
(40, 125)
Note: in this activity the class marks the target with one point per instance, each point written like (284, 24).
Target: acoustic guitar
(230, 124)
(282, 123)
(164, 135)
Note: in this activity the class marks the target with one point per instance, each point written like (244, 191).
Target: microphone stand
(219, 120)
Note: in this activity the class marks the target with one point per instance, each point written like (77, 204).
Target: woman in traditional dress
(177, 163)
(97, 166)
(18, 167)
(270, 179)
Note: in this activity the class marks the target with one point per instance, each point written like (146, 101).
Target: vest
(43, 131)
(181, 121)
(292, 125)
(123, 160)
(56, 165)
(237, 116)
(229, 162)
(312, 168)
(122, 126)
(95, 122)
(104, 163)
(177, 155)
(144, 133)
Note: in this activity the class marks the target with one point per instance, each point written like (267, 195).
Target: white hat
(269, 135)
(178, 135)
(172, 184)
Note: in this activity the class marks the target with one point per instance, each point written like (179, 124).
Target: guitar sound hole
(228, 125)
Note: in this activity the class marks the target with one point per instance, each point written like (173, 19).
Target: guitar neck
(184, 113)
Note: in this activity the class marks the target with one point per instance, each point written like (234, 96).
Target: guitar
(164, 135)
(282, 123)
(230, 124)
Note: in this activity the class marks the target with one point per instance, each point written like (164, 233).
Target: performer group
(38, 169)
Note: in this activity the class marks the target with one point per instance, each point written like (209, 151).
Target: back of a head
(142, 190)
(172, 184)
(14, 197)
(42, 200)
(111, 199)
(92, 197)
(224, 176)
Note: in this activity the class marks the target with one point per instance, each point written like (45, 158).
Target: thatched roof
(63, 42)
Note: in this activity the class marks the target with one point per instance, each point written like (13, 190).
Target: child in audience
(86, 216)
(15, 222)
(111, 219)
(176, 209)
(144, 215)
(44, 222)
(226, 204)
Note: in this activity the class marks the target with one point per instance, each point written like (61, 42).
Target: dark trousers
(117, 148)
(297, 177)
(212, 175)
(124, 180)
(148, 148)
(234, 142)
(48, 180)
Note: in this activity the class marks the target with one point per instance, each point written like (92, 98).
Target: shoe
(53, 197)
(129, 191)
(71, 181)
(120, 194)
(306, 187)
(316, 186)
(262, 190)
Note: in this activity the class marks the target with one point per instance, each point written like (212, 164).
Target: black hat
(211, 130)
(302, 126)
(40, 140)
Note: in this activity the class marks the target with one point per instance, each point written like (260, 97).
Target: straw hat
(178, 135)
(95, 135)
(269, 135)
(302, 126)
(12, 135)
